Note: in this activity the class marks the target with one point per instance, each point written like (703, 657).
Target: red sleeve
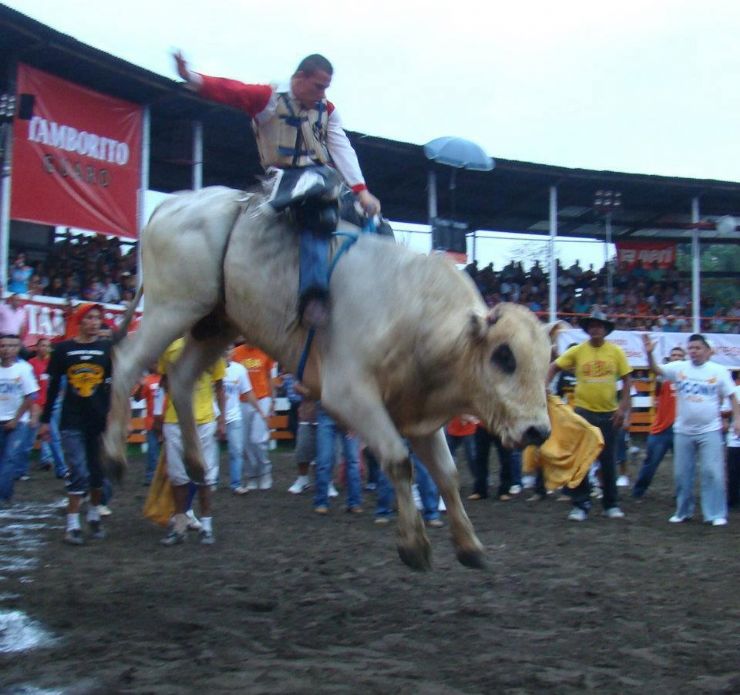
(251, 98)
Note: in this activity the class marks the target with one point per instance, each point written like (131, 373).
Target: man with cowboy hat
(598, 365)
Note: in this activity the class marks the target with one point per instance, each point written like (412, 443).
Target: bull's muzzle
(535, 435)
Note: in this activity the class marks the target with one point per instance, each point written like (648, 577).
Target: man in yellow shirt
(205, 418)
(598, 365)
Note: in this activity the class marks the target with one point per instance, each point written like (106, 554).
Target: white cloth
(16, 382)
(699, 394)
(236, 384)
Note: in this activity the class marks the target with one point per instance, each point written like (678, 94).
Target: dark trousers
(658, 446)
(581, 495)
(733, 476)
(507, 462)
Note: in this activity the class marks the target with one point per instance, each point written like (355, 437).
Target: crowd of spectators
(94, 268)
(642, 299)
(97, 268)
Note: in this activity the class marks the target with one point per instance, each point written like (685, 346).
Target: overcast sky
(640, 87)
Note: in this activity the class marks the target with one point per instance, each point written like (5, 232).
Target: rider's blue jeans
(313, 262)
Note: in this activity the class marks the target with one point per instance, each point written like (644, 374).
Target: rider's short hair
(313, 63)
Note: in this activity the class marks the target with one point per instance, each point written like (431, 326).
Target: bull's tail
(129, 315)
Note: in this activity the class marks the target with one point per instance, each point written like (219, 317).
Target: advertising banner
(664, 252)
(76, 157)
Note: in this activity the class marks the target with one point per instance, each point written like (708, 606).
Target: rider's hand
(370, 204)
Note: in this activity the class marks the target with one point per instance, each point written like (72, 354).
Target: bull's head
(510, 357)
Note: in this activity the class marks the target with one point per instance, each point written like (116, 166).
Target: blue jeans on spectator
(11, 444)
(82, 455)
(152, 455)
(235, 448)
(427, 491)
(52, 450)
(510, 464)
(707, 449)
(468, 443)
(373, 470)
(23, 459)
(326, 435)
(657, 447)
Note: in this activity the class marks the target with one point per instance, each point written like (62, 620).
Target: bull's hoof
(475, 559)
(418, 559)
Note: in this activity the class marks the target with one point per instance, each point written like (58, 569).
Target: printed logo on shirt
(85, 378)
(598, 370)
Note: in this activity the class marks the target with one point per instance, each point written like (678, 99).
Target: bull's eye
(504, 359)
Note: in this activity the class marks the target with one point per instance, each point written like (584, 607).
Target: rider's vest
(294, 136)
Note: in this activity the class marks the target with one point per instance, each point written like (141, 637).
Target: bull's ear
(493, 315)
(477, 327)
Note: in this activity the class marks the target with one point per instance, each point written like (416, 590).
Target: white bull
(410, 343)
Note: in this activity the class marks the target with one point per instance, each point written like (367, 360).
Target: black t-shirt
(87, 368)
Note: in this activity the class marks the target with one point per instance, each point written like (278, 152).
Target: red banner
(629, 252)
(77, 159)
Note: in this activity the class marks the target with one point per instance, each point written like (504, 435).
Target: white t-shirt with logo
(236, 384)
(16, 382)
(732, 439)
(699, 394)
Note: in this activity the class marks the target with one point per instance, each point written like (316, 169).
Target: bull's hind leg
(435, 454)
(159, 327)
(196, 357)
(362, 410)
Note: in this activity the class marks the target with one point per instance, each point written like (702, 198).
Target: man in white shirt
(17, 387)
(701, 386)
(237, 389)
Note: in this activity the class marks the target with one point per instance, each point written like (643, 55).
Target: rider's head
(311, 79)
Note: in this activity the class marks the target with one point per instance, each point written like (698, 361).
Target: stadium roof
(514, 197)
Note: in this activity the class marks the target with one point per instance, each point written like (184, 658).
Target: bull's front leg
(361, 409)
(435, 454)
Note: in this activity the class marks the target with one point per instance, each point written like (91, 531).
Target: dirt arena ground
(289, 602)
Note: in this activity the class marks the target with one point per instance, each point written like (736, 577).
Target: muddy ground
(289, 602)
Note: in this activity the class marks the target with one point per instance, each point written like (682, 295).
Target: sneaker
(434, 523)
(719, 522)
(103, 510)
(265, 482)
(332, 491)
(207, 538)
(25, 477)
(441, 507)
(371, 487)
(515, 489)
(74, 537)
(252, 485)
(596, 493)
(239, 490)
(301, 484)
(623, 481)
(678, 519)
(173, 538)
(381, 520)
(475, 497)
(321, 510)
(96, 530)
(536, 497)
(355, 510)
(193, 521)
(613, 513)
(577, 514)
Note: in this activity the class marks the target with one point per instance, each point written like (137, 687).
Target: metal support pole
(6, 143)
(551, 254)
(432, 195)
(609, 265)
(695, 268)
(197, 155)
